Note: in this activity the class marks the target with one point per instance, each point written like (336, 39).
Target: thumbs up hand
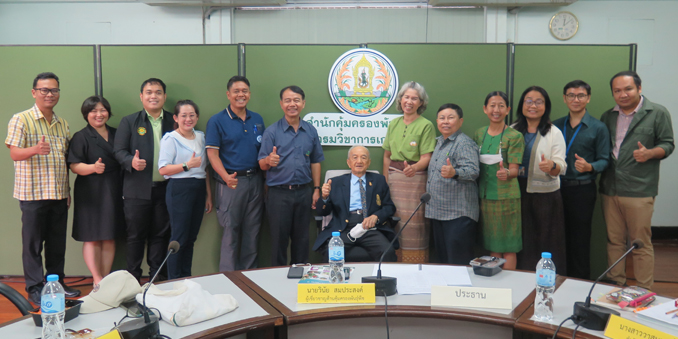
(581, 165)
(447, 171)
(503, 172)
(409, 170)
(99, 166)
(42, 147)
(194, 161)
(138, 163)
(274, 158)
(232, 180)
(327, 187)
(642, 154)
(545, 165)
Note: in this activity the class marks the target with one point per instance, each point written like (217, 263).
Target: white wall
(650, 24)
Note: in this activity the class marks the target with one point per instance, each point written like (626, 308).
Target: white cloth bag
(187, 303)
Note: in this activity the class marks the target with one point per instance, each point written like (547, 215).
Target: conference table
(253, 318)
(268, 308)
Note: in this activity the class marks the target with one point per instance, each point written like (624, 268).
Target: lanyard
(567, 150)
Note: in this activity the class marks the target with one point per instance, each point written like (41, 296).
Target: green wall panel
(74, 65)
(199, 73)
(553, 66)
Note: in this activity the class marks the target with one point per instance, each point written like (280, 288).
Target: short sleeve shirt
(409, 142)
(237, 140)
(40, 177)
(512, 147)
(297, 151)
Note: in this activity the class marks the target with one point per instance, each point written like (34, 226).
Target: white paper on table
(453, 275)
(659, 313)
(412, 280)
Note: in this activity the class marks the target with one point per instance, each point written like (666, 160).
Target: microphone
(384, 286)
(150, 326)
(595, 317)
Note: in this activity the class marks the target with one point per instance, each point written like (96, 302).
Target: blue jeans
(186, 206)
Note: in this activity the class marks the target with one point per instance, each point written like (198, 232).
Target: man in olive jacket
(641, 136)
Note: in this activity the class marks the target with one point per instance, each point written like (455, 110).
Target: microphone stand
(595, 317)
(385, 286)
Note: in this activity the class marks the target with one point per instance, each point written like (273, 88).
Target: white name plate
(476, 297)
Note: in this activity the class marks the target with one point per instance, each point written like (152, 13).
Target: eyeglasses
(45, 91)
(581, 96)
(537, 103)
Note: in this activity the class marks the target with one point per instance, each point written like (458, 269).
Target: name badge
(335, 294)
(477, 297)
(620, 328)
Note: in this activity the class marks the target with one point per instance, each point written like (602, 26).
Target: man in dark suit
(360, 204)
(137, 146)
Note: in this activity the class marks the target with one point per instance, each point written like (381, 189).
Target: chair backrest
(329, 175)
(16, 298)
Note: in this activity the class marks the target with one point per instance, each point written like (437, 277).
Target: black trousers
(454, 240)
(369, 247)
(147, 222)
(578, 204)
(289, 216)
(43, 221)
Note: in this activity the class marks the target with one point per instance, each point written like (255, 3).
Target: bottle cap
(335, 234)
(53, 277)
(546, 255)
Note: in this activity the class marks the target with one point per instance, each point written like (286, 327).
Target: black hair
(634, 75)
(154, 81)
(497, 93)
(454, 107)
(90, 103)
(43, 76)
(295, 89)
(577, 84)
(236, 78)
(180, 103)
(544, 123)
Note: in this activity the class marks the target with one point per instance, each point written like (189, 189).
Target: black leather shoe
(70, 292)
(34, 296)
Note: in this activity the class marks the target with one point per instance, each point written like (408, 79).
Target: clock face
(564, 25)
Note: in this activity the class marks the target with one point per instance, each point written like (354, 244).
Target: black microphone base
(139, 329)
(382, 286)
(593, 317)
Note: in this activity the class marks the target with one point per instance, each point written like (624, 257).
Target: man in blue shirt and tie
(360, 205)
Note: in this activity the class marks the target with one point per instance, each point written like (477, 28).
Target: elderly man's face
(359, 161)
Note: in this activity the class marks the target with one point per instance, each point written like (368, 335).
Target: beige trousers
(628, 219)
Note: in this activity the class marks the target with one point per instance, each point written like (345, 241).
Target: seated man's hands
(370, 222)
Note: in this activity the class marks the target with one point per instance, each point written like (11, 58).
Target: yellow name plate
(477, 297)
(620, 328)
(335, 294)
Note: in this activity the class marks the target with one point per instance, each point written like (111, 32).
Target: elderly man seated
(360, 204)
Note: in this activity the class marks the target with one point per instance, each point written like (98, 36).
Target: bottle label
(52, 303)
(336, 253)
(546, 278)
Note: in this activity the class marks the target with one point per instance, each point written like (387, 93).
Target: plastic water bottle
(53, 305)
(336, 254)
(546, 285)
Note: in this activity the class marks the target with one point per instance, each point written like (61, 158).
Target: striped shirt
(40, 177)
(453, 198)
(623, 124)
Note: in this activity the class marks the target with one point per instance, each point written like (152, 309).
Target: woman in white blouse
(543, 220)
(183, 161)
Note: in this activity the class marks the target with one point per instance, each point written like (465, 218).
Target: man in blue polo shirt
(233, 140)
(587, 143)
(291, 153)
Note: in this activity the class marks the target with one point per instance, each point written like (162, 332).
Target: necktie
(363, 200)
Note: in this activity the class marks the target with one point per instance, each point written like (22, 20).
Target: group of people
(530, 185)
(536, 179)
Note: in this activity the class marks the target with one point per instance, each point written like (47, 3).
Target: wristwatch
(316, 187)
(456, 176)
(554, 166)
(185, 167)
